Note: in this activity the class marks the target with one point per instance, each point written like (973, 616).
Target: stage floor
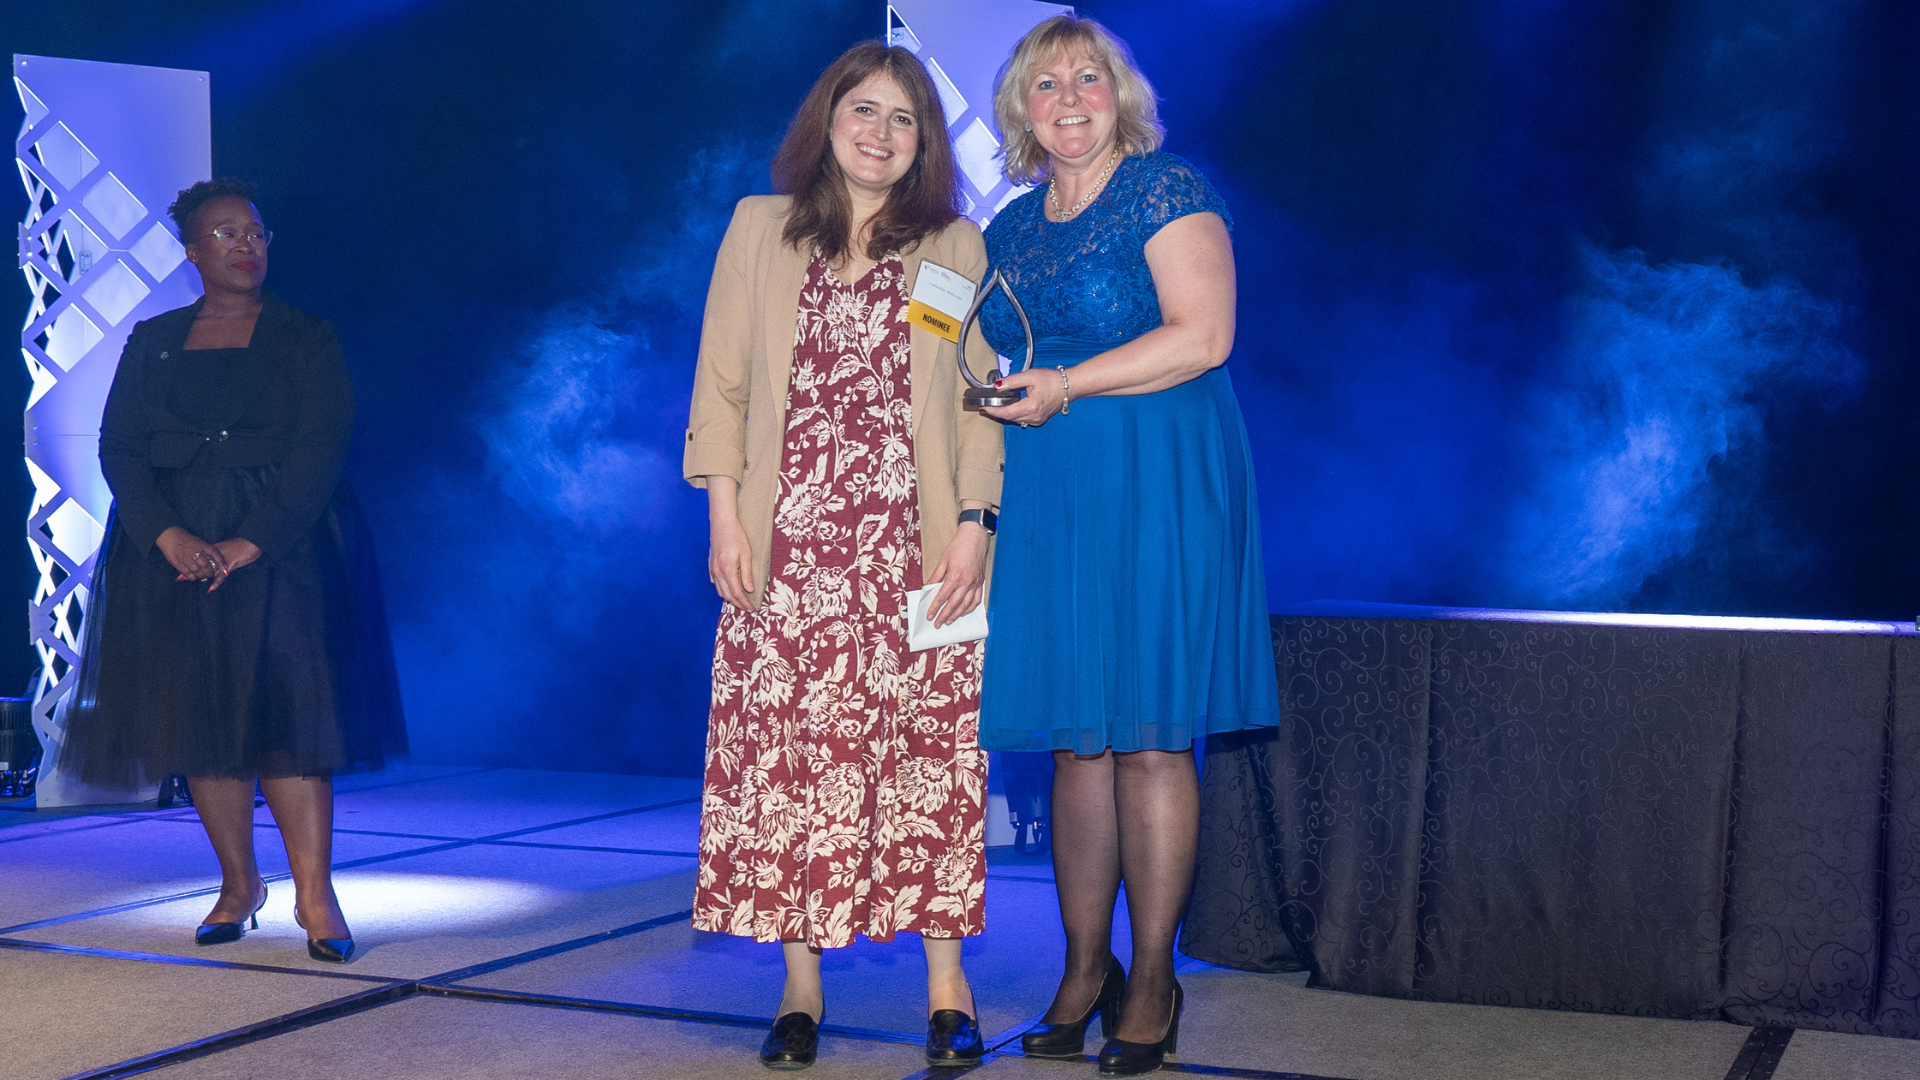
(534, 924)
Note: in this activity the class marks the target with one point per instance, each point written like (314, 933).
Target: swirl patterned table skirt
(1646, 815)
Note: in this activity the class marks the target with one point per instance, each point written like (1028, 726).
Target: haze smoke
(1670, 370)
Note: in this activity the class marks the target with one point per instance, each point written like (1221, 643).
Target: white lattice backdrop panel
(103, 150)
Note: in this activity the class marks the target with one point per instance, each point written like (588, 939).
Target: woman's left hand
(237, 552)
(961, 575)
(1045, 396)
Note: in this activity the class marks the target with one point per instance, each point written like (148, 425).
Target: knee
(1068, 761)
(1154, 764)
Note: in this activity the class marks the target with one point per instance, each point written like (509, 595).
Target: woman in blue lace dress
(1128, 613)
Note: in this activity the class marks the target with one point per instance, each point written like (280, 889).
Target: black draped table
(1646, 815)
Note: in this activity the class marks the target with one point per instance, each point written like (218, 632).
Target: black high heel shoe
(1121, 1058)
(327, 950)
(953, 1038)
(332, 950)
(219, 933)
(1069, 1040)
(792, 1043)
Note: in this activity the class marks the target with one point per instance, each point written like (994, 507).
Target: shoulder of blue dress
(1015, 215)
(1159, 163)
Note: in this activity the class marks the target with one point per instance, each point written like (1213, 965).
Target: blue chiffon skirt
(1128, 607)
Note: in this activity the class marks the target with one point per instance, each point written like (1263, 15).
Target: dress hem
(1035, 745)
(717, 926)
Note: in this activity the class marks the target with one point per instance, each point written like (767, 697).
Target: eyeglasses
(232, 237)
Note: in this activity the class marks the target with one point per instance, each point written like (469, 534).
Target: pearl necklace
(1053, 190)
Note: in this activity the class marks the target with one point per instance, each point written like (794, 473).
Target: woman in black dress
(236, 631)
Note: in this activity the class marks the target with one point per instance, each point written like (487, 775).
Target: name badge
(940, 300)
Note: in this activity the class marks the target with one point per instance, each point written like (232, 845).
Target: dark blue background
(1578, 304)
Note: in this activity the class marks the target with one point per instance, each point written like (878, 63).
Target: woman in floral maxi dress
(845, 786)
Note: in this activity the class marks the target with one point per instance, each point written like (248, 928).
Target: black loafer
(793, 1042)
(953, 1039)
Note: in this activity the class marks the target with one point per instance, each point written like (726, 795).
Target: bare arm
(729, 553)
(962, 572)
(1193, 276)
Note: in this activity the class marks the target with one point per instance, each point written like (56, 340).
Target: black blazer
(298, 414)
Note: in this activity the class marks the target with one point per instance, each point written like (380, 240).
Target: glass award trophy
(985, 393)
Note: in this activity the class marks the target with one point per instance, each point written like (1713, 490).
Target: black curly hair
(199, 195)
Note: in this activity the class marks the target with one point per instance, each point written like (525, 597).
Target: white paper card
(922, 634)
(940, 299)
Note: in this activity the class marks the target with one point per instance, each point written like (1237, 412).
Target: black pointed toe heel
(953, 1039)
(1121, 1058)
(1069, 1040)
(219, 933)
(332, 950)
(792, 1044)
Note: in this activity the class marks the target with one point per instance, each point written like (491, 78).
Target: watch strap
(986, 519)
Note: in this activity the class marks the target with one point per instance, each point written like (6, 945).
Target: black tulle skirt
(285, 670)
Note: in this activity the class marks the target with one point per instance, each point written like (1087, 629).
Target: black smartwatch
(988, 520)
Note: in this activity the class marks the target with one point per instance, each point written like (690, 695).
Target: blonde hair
(1137, 130)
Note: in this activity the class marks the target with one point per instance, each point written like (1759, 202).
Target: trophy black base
(992, 399)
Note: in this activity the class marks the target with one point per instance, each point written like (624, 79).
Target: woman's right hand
(730, 562)
(194, 558)
(729, 554)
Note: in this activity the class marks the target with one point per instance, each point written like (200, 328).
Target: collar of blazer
(269, 345)
(787, 275)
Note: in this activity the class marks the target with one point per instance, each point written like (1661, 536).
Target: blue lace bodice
(1087, 278)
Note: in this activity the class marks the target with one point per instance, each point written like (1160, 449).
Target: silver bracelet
(1066, 391)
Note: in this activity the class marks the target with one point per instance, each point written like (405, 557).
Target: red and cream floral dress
(845, 787)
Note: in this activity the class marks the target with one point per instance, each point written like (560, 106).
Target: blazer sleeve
(717, 418)
(126, 438)
(310, 472)
(980, 436)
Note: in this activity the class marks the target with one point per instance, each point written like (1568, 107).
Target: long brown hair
(924, 201)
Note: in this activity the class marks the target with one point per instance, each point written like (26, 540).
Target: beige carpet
(424, 913)
(62, 1014)
(439, 1039)
(1821, 1055)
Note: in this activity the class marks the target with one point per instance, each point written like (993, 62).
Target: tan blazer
(737, 425)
